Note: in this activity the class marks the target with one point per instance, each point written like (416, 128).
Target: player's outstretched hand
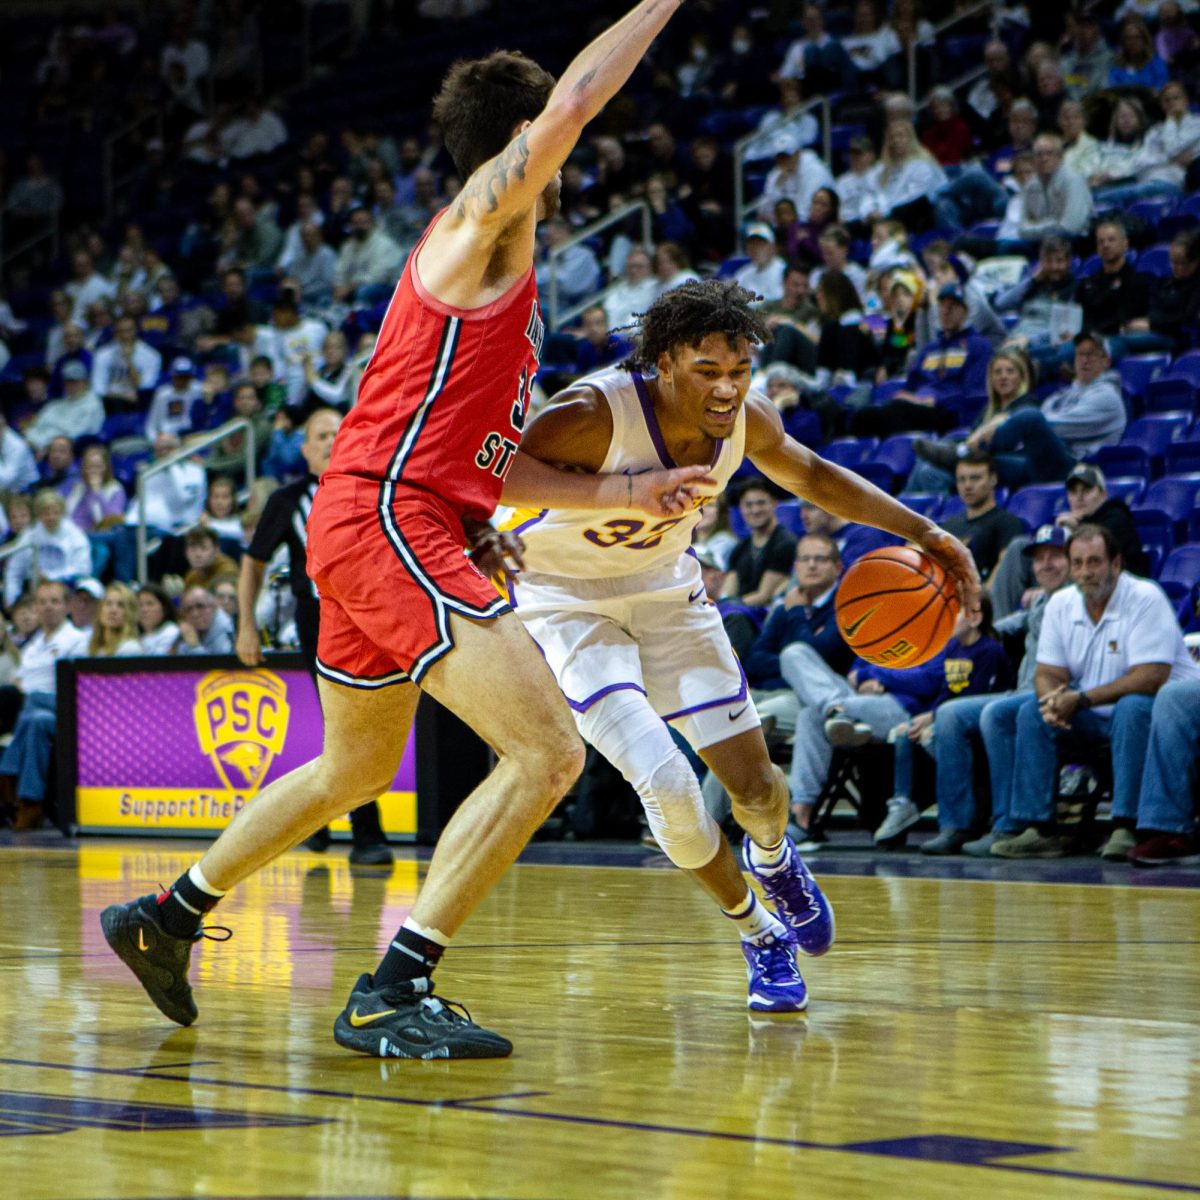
(947, 550)
(249, 647)
(669, 493)
(499, 554)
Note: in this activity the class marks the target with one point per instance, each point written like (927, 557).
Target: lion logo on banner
(241, 722)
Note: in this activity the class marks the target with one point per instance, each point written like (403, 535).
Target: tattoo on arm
(484, 189)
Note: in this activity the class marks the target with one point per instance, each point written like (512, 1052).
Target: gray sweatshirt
(1064, 202)
(1088, 416)
(1031, 622)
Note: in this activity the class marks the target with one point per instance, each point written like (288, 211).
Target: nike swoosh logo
(851, 629)
(358, 1020)
(142, 942)
(734, 715)
(696, 594)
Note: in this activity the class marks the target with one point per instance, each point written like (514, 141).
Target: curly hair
(686, 315)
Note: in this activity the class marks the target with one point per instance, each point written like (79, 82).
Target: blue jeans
(958, 723)
(818, 688)
(1146, 342)
(1044, 457)
(902, 766)
(1127, 193)
(28, 754)
(1034, 765)
(1166, 803)
(972, 195)
(926, 477)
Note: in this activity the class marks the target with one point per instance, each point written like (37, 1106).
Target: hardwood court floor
(966, 1038)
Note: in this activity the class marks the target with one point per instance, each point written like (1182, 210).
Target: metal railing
(311, 46)
(148, 470)
(114, 177)
(960, 82)
(11, 250)
(560, 316)
(740, 204)
(938, 30)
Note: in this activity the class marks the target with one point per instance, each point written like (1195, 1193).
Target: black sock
(410, 956)
(182, 909)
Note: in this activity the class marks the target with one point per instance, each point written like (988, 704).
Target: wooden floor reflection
(965, 1039)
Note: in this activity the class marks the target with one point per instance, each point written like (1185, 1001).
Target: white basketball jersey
(585, 544)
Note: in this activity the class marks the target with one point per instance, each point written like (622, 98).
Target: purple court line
(204, 1062)
(875, 1150)
(489, 1099)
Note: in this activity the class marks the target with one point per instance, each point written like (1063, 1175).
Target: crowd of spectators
(940, 254)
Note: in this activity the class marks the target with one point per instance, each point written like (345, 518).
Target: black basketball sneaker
(157, 958)
(406, 1020)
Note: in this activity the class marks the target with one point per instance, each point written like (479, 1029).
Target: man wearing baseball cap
(797, 173)
(1088, 500)
(763, 274)
(79, 413)
(960, 723)
(954, 363)
(171, 408)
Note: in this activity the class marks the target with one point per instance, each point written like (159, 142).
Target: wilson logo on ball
(896, 607)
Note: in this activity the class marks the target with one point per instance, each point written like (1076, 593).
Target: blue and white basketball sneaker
(775, 981)
(797, 898)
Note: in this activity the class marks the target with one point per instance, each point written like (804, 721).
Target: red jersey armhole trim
(448, 310)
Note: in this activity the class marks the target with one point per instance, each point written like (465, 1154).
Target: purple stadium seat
(880, 474)
(928, 504)
(846, 452)
(1154, 527)
(1168, 393)
(881, 393)
(787, 513)
(952, 507)
(1156, 260)
(1122, 460)
(1138, 370)
(1127, 488)
(1151, 210)
(1154, 559)
(731, 266)
(1183, 456)
(1181, 568)
(1174, 495)
(897, 453)
(1156, 432)
(1037, 503)
(1186, 367)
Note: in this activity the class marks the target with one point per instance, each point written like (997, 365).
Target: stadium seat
(1127, 488)
(1154, 559)
(1122, 460)
(897, 452)
(1037, 503)
(1154, 527)
(952, 506)
(1138, 370)
(1173, 495)
(846, 452)
(1155, 261)
(787, 513)
(1182, 457)
(880, 474)
(1151, 210)
(731, 266)
(1186, 367)
(881, 393)
(1181, 570)
(1155, 433)
(928, 504)
(1168, 393)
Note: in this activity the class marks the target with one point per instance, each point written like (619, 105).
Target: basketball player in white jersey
(617, 605)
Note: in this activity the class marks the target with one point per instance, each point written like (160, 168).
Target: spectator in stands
(803, 238)
(18, 471)
(1173, 309)
(125, 367)
(1071, 424)
(156, 620)
(72, 349)
(18, 516)
(249, 238)
(330, 378)
(1022, 127)
(27, 756)
(671, 267)
(235, 310)
(1176, 42)
(224, 590)
(1051, 91)
(909, 177)
(954, 363)
(96, 504)
(308, 212)
(634, 294)
(786, 114)
(53, 547)
(846, 349)
(706, 195)
(946, 136)
(1173, 144)
(975, 664)
(84, 602)
(835, 256)
(312, 268)
(852, 540)
(221, 512)
(763, 274)
(292, 343)
(1125, 171)
(185, 48)
(796, 175)
(986, 95)
(761, 562)
(597, 347)
(1088, 60)
(115, 634)
(257, 131)
(1056, 200)
(1089, 695)
(85, 286)
(58, 469)
(1051, 282)
(946, 269)
(960, 720)
(712, 533)
(1117, 293)
(858, 189)
(205, 560)
(1136, 64)
(35, 198)
(369, 262)
(1088, 503)
(872, 43)
(576, 267)
(1081, 151)
(983, 527)
(78, 414)
(204, 627)
(171, 408)
(228, 457)
(214, 406)
(668, 221)
(1166, 811)
(818, 59)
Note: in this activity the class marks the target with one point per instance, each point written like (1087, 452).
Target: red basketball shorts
(389, 566)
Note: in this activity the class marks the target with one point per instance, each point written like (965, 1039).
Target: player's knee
(678, 819)
(554, 760)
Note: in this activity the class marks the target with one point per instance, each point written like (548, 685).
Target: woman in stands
(846, 349)
(331, 383)
(115, 634)
(97, 503)
(1125, 172)
(156, 619)
(1136, 64)
(824, 212)
(909, 177)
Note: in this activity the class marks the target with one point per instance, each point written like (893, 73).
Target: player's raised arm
(510, 184)
(798, 470)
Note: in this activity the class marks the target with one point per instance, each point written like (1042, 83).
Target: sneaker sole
(1186, 860)
(839, 736)
(885, 833)
(114, 922)
(378, 1044)
(1021, 854)
(762, 1004)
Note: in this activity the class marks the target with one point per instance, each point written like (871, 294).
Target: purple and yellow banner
(183, 751)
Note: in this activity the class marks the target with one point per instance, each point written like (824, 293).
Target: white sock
(426, 931)
(197, 877)
(769, 859)
(754, 921)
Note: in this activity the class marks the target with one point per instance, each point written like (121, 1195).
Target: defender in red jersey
(416, 471)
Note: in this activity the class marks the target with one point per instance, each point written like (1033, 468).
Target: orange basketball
(896, 607)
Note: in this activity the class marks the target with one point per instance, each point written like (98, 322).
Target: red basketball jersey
(443, 400)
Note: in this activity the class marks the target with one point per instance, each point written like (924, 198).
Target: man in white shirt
(126, 365)
(1173, 144)
(189, 52)
(85, 286)
(763, 274)
(1107, 645)
(171, 408)
(18, 471)
(78, 414)
(796, 175)
(174, 497)
(858, 189)
(368, 257)
(289, 341)
(257, 131)
(27, 757)
(53, 547)
(635, 293)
